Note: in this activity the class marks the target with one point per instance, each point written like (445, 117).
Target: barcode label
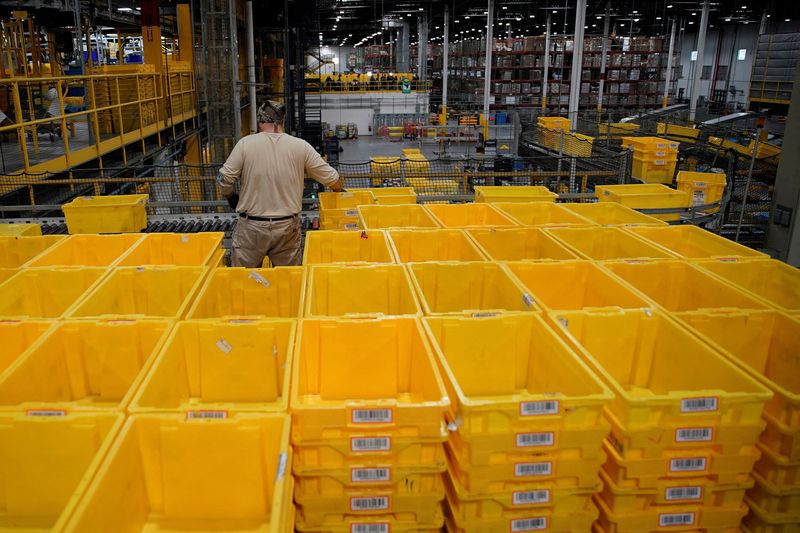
(345, 195)
(45, 412)
(533, 469)
(369, 528)
(366, 475)
(549, 407)
(351, 213)
(527, 299)
(692, 464)
(371, 416)
(675, 519)
(372, 503)
(683, 493)
(525, 440)
(370, 444)
(698, 197)
(698, 405)
(693, 435)
(283, 459)
(224, 346)
(213, 415)
(529, 524)
(530, 497)
(351, 226)
(184, 238)
(258, 278)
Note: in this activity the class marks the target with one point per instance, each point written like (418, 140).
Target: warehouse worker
(272, 166)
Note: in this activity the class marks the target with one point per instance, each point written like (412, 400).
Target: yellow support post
(185, 34)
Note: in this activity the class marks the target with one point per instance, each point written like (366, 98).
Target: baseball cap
(271, 111)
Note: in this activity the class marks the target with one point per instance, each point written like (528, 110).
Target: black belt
(265, 219)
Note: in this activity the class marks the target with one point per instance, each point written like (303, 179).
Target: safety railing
(362, 87)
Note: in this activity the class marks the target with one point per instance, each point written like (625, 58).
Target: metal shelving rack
(774, 67)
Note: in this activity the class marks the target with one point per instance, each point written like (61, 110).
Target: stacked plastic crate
(337, 211)
(654, 158)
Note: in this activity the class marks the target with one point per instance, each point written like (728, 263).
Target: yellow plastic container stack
(542, 214)
(678, 133)
(384, 169)
(395, 216)
(613, 214)
(469, 216)
(337, 210)
(493, 194)
(616, 130)
(703, 187)
(684, 422)
(646, 196)
(525, 447)
(551, 130)
(411, 246)
(367, 431)
(654, 158)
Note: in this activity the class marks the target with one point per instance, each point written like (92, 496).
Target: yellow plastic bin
(679, 286)
(759, 520)
(371, 290)
(317, 512)
(616, 130)
(142, 292)
(520, 243)
(574, 285)
(345, 200)
(18, 337)
(106, 214)
(167, 471)
(469, 215)
(17, 251)
(773, 281)
(341, 391)
(395, 216)
(655, 171)
(46, 292)
(339, 219)
(393, 195)
(47, 462)
(544, 518)
(703, 187)
(691, 242)
(433, 245)
(210, 369)
(656, 146)
(613, 214)
(518, 193)
(544, 214)
(468, 288)
(645, 196)
(20, 230)
(83, 366)
(603, 244)
(87, 250)
(678, 133)
(384, 168)
(347, 247)
(178, 249)
(6, 273)
(246, 293)
(372, 523)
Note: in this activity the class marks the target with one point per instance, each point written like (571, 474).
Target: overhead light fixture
(727, 20)
(636, 20)
(505, 7)
(691, 22)
(598, 17)
(531, 16)
(658, 18)
(669, 6)
(554, 11)
(635, 12)
(787, 20)
(436, 28)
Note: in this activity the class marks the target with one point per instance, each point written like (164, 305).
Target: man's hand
(233, 200)
(338, 186)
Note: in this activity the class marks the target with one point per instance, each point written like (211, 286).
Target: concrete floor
(365, 147)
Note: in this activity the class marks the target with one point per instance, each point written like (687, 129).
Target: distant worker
(54, 107)
(271, 166)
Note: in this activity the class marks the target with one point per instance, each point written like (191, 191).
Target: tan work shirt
(272, 167)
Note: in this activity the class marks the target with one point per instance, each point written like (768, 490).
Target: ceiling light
(669, 6)
(594, 25)
(691, 22)
(787, 20)
(554, 11)
(505, 7)
(694, 13)
(531, 16)
(636, 20)
(599, 17)
(349, 34)
(517, 18)
(727, 20)
(436, 28)
(634, 11)
(456, 21)
(466, 17)
(744, 7)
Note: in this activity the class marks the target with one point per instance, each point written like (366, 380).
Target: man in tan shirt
(271, 166)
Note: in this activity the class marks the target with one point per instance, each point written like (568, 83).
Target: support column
(668, 80)
(185, 34)
(698, 67)
(487, 82)
(445, 59)
(577, 64)
(403, 62)
(546, 81)
(422, 46)
(603, 55)
(151, 47)
(251, 67)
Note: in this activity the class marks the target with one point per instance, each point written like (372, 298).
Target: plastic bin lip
(345, 200)
(107, 201)
(661, 235)
(45, 259)
(564, 217)
(423, 217)
(593, 212)
(210, 240)
(567, 235)
(440, 213)
(381, 235)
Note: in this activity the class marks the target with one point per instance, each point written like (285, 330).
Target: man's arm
(319, 170)
(229, 174)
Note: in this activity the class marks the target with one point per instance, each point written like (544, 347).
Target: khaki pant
(253, 240)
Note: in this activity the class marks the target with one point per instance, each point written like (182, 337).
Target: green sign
(405, 86)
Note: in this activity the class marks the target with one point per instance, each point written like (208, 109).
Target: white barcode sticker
(351, 226)
(699, 405)
(527, 299)
(345, 195)
(661, 154)
(549, 407)
(283, 459)
(370, 475)
(698, 197)
(675, 519)
(688, 464)
(694, 435)
(533, 469)
(371, 503)
(530, 497)
(526, 440)
(659, 162)
(45, 412)
(369, 528)
(372, 416)
(351, 213)
(370, 444)
(224, 346)
(683, 493)
(258, 278)
(184, 238)
(210, 415)
(529, 524)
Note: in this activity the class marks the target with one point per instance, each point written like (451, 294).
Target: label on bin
(694, 435)
(548, 407)
(529, 524)
(372, 416)
(370, 475)
(224, 346)
(533, 469)
(351, 226)
(370, 444)
(258, 278)
(370, 503)
(369, 528)
(529, 497)
(675, 519)
(699, 405)
(212, 415)
(688, 464)
(345, 195)
(283, 459)
(525, 440)
(351, 213)
(683, 493)
(45, 412)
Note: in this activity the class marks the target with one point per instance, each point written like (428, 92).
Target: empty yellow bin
(187, 249)
(574, 285)
(371, 290)
(20, 230)
(545, 214)
(520, 243)
(613, 214)
(773, 281)
(469, 215)
(83, 366)
(142, 292)
(517, 193)
(691, 242)
(395, 216)
(607, 243)
(87, 250)
(214, 368)
(645, 196)
(170, 473)
(393, 195)
(367, 246)
(434, 245)
(345, 200)
(6, 273)
(47, 463)
(46, 292)
(125, 213)
(339, 219)
(703, 187)
(249, 293)
(618, 129)
(18, 337)
(16, 251)
(468, 288)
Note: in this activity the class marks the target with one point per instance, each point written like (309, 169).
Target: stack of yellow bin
(337, 210)
(551, 130)
(654, 158)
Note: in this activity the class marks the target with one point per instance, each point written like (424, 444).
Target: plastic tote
(468, 215)
(434, 245)
(345, 200)
(18, 337)
(47, 462)
(87, 250)
(520, 243)
(167, 471)
(313, 482)
(17, 251)
(46, 292)
(187, 249)
(613, 214)
(517, 193)
(20, 230)
(210, 369)
(106, 214)
(645, 196)
(542, 214)
(773, 281)
(691, 242)
(703, 187)
(347, 247)
(395, 216)
(322, 510)
(607, 243)
(393, 195)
